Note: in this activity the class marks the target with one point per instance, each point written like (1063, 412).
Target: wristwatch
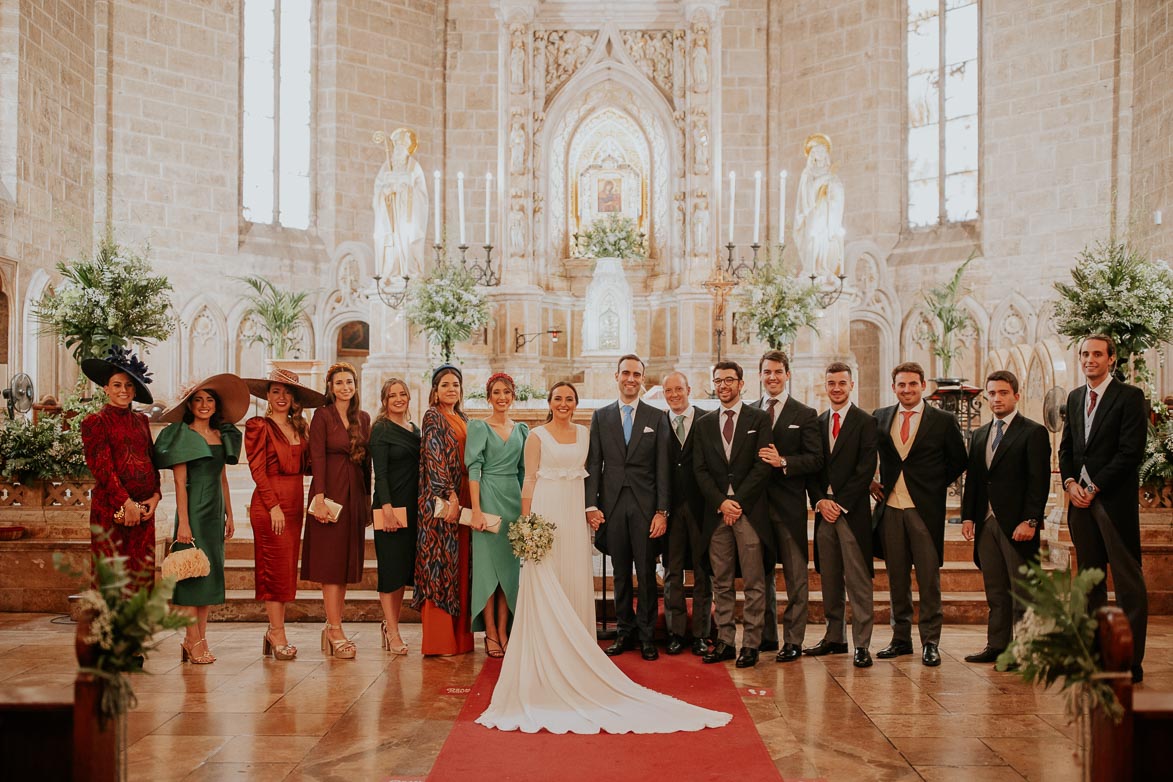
(1069, 480)
(663, 513)
(1032, 523)
(783, 458)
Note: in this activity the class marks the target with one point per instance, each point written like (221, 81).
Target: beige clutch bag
(332, 509)
(492, 521)
(397, 520)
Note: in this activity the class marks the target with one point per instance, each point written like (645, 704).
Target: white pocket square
(794, 426)
(648, 429)
(751, 431)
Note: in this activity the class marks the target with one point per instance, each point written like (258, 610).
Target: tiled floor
(381, 717)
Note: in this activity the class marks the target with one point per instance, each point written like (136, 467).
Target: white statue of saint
(401, 208)
(700, 61)
(517, 60)
(818, 215)
(517, 147)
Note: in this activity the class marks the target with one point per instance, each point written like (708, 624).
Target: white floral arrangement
(777, 303)
(531, 537)
(614, 236)
(447, 306)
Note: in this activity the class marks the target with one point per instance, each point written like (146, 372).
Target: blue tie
(626, 424)
(998, 426)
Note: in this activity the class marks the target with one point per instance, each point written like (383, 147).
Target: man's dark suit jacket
(937, 458)
(743, 470)
(641, 465)
(1015, 485)
(848, 470)
(796, 437)
(1112, 452)
(685, 491)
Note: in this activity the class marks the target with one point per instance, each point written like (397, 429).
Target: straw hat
(306, 396)
(119, 359)
(230, 388)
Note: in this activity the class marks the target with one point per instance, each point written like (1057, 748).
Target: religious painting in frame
(609, 192)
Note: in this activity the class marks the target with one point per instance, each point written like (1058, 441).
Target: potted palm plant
(280, 313)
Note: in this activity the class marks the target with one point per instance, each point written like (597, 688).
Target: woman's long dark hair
(358, 449)
(550, 395)
(295, 415)
(216, 421)
(433, 395)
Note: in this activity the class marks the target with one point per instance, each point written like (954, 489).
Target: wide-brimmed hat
(306, 396)
(119, 359)
(230, 388)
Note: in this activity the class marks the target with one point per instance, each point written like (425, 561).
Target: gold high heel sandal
(400, 648)
(186, 655)
(343, 649)
(279, 652)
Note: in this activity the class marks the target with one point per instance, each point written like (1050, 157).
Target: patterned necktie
(771, 404)
(1091, 403)
(999, 426)
(679, 427)
(727, 430)
(834, 426)
(626, 424)
(905, 425)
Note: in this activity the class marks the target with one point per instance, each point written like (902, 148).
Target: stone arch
(204, 332)
(42, 358)
(246, 357)
(873, 369)
(1013, 321)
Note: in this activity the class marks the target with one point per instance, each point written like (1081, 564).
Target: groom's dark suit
(630, 482)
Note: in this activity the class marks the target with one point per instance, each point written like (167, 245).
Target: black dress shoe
(647, 650)
(987, 655)
(930, 655)
(675, 644)
(719, 653)
(748, 657)
(894, 649)
(621, 645)
(789, 653)
(700, 647)
(863, 658)
(768, 646)
(825, 647)
(1137, 674)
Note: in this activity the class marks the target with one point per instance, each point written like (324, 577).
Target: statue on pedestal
(818, 215)
(400, 205)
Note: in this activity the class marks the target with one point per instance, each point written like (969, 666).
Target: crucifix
(719, 284)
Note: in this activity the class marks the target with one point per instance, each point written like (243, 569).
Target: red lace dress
(119, 452)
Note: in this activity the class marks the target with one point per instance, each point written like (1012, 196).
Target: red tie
(905, 428)
(770, 405)
(727, 430)
(835, 426)
(1091, 404)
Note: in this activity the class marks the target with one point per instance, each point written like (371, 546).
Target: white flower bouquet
(531, 537)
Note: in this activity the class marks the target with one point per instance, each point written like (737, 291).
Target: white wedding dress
(554, 676)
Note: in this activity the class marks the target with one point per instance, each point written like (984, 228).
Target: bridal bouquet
(531, 537)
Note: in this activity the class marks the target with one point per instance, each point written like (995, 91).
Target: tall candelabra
(481, 270)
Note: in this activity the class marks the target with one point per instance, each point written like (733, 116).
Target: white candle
(488, 207)
(436, 204)
(757, 204)
(460, 202)
(782, 206)
(732, 190)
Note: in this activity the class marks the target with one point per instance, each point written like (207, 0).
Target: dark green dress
(178, 444)
(499, 467)
(395, 452)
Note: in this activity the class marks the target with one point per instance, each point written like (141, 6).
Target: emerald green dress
(178, 444)
(499, 467)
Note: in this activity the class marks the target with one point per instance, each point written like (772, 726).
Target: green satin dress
(178, 444)
(499, 466)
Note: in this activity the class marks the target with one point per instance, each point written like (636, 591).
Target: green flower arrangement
(123, 622)
(112, 299)
(447, 306)
(44, 450)
(523, 392)
(1055, 641)
(614, 236)
(1115, 290)
(1157, 466)
(776, 303)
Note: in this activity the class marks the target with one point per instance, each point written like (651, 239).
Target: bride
(555, 676)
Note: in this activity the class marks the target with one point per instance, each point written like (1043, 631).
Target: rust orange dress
(443, 565)
(277, 467)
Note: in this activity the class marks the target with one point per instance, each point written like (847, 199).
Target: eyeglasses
(725, 381)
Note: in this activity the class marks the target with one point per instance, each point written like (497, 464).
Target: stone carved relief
(867, 276)
(700, 144)
(517, 145)
(678, 218)
(679, 57)
(539, 71)
(652, 51)
(517, 58)
(565, 53)
(517, 224)
(700, 224)
(700, 57)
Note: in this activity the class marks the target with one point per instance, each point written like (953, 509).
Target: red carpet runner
(473, 752)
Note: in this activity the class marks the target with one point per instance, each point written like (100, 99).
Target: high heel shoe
(279, 652)
(399, 648)
(343, 649)
(186, 655)
(496, 653)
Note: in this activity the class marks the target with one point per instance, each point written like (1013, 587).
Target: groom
(627, 501)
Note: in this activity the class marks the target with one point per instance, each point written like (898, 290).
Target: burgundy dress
(277, 468)
(119, 452)
(333, 552)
